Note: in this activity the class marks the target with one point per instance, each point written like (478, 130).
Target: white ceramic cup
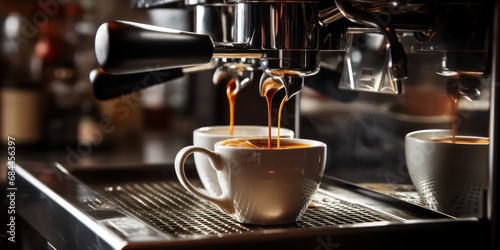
(261, 186)
(451, 178)
(207, 137)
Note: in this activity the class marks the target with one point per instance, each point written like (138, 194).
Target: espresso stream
(231, 97)
(269, 89)
(454, 95)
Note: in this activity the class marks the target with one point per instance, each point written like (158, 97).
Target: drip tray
(121, 207)
(167, 206)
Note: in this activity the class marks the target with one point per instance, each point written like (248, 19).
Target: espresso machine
(340, 48)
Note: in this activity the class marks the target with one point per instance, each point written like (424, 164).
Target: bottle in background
(20, 91)
(20, 103)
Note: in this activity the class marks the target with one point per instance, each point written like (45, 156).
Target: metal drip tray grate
(168, 207)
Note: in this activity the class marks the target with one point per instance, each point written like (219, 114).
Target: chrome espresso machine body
(341, 48)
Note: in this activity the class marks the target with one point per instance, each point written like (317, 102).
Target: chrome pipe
(492, 199)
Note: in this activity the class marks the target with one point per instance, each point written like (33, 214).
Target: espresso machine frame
(109, 224)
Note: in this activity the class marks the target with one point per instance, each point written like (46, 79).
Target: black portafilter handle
(123, 47)
(108, 86)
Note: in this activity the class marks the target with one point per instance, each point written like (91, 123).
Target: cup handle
(222, 201)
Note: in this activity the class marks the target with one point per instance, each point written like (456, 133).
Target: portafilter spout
(241, 71)
(291, 84)
(464, 84)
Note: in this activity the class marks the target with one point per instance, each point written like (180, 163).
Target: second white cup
(206, 137)
(449, 177)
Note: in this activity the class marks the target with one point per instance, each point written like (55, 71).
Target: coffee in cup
(449, 173)
(462, 140)
(261, 143)
(261, 185)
